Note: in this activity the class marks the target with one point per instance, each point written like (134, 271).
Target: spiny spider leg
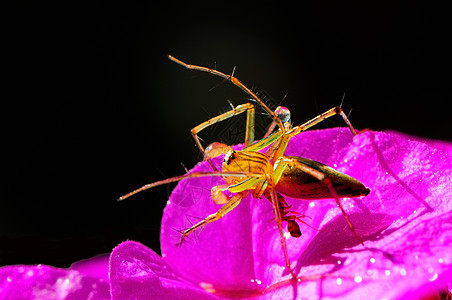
(236, 82)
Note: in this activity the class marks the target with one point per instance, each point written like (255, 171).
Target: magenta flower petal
(406, 223)
(137, 272)
(95, 266)
(49, 283)
(444, 146)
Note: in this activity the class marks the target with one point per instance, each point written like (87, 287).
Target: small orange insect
(269, 174)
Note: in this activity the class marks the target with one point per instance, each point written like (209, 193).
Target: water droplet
(286, 235)
(30, 273)
(387, 272)
(440, 260)
(434, 277)
(335, 165)
(9, 279)
(358, 279)
(208, 287)
(402, 272)
(311, 204)
(339, 262)
(258, 281)
(372, 260)
(339, 281)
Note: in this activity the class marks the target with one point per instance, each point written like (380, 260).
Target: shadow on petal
(335, 237)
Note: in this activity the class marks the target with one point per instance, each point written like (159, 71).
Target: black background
(92, 108)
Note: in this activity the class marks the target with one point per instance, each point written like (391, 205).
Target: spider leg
(278, 148)
(329, 113)
(186, 176)
(284, 162)
(230, 205)
(249, 133)
(278, 218)
(236, 82)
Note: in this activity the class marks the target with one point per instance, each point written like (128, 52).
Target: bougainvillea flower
(86, 279)
(405, 222)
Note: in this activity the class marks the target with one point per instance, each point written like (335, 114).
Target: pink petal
(137, 272)
(405, 221)
(444, 146)
(95, 266)
(49, 283)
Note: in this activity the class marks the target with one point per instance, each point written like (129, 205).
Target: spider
(270, 174)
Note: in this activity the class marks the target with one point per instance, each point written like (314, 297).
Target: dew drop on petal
(402, 272)
(9, 279)
(339, 262)
(208, 287)
(311, 204)
(372, 260)
(387, 272)
(440, 260)
(434, 277)
(358, 279)
(339, 281)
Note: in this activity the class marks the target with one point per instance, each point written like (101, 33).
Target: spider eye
(283, 113)
(229, 157)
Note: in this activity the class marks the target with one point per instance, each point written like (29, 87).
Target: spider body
(295, 183)
(270, 174)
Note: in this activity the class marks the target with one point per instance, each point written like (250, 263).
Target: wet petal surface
(137, 272)
(406, 223)
(42, 282)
